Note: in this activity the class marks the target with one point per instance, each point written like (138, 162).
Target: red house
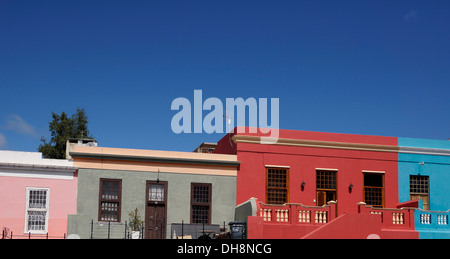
(308, 170)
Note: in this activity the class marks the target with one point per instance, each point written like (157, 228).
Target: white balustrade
(442, 219)
(321, 217)
(398, 218)
(282, 215)
(266, 214)
(304, 216)
(425, 219)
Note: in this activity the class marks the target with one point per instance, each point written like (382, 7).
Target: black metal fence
(7, 234)
(235, 230)
(113, 230)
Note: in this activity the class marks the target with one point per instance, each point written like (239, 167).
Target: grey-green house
(166, 187)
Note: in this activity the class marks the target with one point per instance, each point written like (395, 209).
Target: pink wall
(62, 201)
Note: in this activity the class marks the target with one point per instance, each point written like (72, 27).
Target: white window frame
(28, 209)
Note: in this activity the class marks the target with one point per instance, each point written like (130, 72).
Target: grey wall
(134, 194)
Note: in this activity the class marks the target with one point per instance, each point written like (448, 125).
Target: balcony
(432, 224)
(301, 221)
(291, 213)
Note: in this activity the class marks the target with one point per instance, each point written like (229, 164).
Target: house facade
(37, 195)
(304, 185)
(165, 187)
(424, 175)
(329, 185)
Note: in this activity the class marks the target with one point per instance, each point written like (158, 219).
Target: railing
(7, 234)
(299, 214)
(432, 220)
(291, 213)
(391, 218)
(114, 230)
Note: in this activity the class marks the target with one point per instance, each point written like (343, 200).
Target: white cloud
(411, 15)
(17, 124)
(3, 141)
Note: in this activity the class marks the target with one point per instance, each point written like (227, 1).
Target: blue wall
(434, 226)
(436, 167)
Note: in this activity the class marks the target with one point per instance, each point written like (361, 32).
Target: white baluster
(301, 216)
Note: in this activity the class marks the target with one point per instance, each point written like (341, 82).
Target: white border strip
(278, 166)
(40, 174)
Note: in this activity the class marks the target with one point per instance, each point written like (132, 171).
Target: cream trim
(124, 165)
(326, 169)
(154, 160)
(373, 172)
(278, 166)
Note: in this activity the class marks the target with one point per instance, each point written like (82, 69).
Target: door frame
(149, 203)
(326, 191)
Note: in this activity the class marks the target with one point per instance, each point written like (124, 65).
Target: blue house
(424, 173)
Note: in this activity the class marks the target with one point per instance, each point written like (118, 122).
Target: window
(374, 189)
(419, 189)
(277, 185)
(156, 192)
(201, 203)
(36, 220)
(325, 186)
(110, 199)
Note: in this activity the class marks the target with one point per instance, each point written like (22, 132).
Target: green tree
(63, 127)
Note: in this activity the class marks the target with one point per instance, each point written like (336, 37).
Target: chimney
(71, 142)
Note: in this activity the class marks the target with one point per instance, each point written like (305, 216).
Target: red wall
(303, 162)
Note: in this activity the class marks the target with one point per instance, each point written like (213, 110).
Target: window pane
(37, 199)
(156, 192)
(110, 199)
(201, 203)
(276, 196)
(326, 180)
(200, 214)
(374, 196)
(110, 190)
(36, 220)
(374, 180)
(110, 211)
(201, 194)
(419, 184)
(373, 189)
(277, 186)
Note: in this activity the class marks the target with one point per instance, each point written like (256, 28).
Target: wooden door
(424, 198)
(156, 222)
(322, 197)
(156, 209)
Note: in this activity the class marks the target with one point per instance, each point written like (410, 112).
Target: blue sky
(361, 67)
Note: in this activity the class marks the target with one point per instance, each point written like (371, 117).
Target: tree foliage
(63, 127)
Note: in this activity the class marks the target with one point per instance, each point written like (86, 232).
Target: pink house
(36, 195)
